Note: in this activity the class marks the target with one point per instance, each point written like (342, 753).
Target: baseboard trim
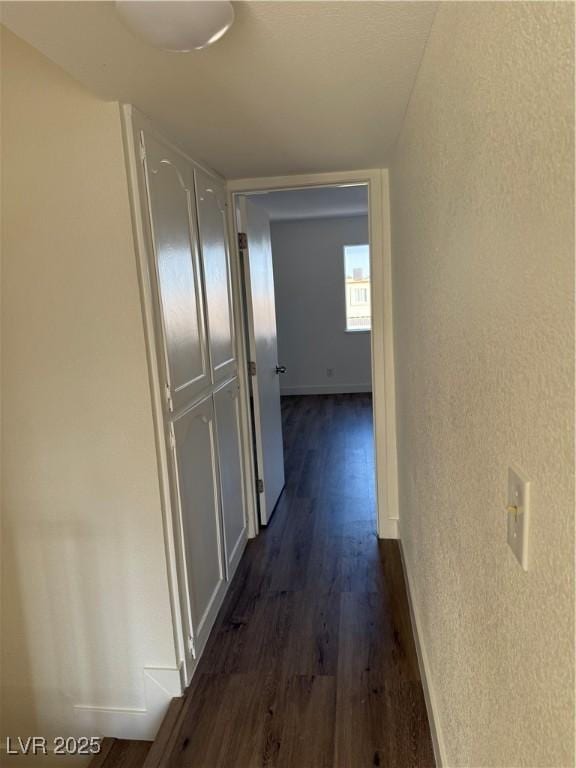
(237, 553)
(161, 685)
(326, 389)
(429, 696)
(388, 529)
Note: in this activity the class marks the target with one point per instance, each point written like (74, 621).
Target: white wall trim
(326, 389)
(382, 336)
(248, 464)
(161, 685)
(383, 353)
(389, 529)
(236, 556)
(429, 695)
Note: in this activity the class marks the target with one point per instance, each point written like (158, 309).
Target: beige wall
(85, 602)
(483, 248)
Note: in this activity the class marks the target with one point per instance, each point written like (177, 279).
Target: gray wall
(310, 312)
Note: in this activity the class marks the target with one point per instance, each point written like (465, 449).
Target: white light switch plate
(519, 523)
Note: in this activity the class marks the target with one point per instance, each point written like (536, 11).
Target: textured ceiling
(294, 87)
(314, 203)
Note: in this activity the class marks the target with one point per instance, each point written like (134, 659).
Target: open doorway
(306, 266)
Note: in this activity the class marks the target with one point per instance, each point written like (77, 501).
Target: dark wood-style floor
(121, 753)
(312, 663)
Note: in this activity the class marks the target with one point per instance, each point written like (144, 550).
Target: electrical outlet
(518, 514)
(329, 372)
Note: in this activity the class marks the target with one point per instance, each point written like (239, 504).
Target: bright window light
(357, 287)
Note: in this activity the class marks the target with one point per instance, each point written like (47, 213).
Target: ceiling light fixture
(177, 26)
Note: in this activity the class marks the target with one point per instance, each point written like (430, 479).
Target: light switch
(518, 510)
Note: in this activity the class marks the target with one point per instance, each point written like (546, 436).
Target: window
(357, 287)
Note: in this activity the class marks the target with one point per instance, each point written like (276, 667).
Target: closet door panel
(212, 225)
(177, 269)
(198, 485)
(227, 407)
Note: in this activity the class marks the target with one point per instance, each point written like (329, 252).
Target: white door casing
(215, 254)
(382, 336)
(262, 342)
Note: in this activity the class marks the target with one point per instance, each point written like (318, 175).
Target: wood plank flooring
(312, 663)
(121, 753)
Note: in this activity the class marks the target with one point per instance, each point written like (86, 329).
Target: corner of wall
(161, 685)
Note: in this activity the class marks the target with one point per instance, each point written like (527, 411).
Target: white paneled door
(211, 202)
(195, 449)
(227, 408)
(263, 349)
(189, 271)
(169, 182)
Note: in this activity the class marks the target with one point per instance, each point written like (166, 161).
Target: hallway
(201, 221)
(312, 660)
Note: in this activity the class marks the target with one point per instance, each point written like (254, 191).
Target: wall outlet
(518, 510)
(329, 372)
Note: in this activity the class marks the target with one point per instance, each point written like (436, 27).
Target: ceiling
(314, 203)
(294, 87)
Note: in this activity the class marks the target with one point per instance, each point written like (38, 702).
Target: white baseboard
(326, 389)
(237, 553)
(161, 685)
(429, 696)
(388, 529)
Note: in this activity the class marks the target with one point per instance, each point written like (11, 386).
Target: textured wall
(85, 600)
(482, 228)
(310, 306)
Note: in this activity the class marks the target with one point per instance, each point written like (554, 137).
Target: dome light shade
(177, 26)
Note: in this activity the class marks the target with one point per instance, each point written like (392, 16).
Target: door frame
(382, 334)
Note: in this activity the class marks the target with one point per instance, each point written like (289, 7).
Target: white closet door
(227, 407)
(170, 195)
(212, 225)
(198, 486)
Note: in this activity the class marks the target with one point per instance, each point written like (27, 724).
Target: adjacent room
(320, 243)
(313, 277)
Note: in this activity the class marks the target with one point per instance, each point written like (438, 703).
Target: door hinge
(252, 368)
(260, 485)
(242, 241)
(172, 437)
(169, 402)
(142, 148)
(191, 647)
